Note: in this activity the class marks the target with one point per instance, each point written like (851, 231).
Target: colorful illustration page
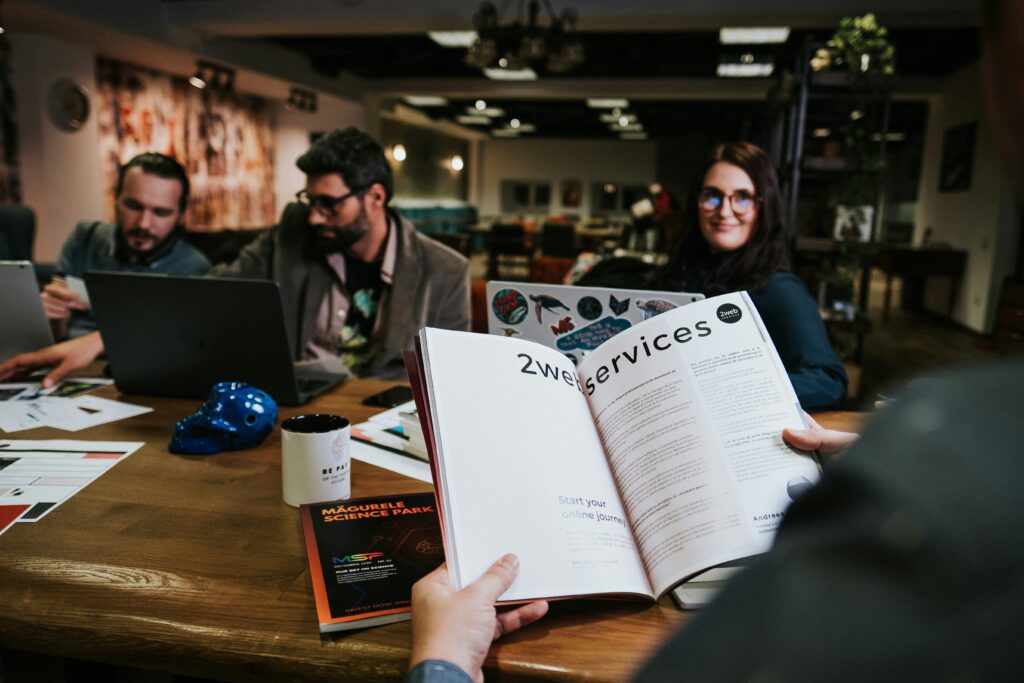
(522, 470)
(573, 320)
(691, 406)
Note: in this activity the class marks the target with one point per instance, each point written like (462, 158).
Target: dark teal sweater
(795, 326)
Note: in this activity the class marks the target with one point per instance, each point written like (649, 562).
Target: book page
(690, 406)
(521, 469)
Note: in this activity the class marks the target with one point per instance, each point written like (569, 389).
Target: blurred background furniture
(508, 255)
(558, 238)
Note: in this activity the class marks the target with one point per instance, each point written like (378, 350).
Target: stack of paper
(28, 405)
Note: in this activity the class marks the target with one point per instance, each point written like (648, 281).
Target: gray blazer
(430, 286)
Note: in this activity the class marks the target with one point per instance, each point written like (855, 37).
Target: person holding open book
(735, 239)
(903, 563)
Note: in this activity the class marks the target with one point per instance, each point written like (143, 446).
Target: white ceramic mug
(316, 461)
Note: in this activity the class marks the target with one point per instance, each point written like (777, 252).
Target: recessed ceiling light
(514, 123)
(453, 38)
(426, 101)
(456, 163)
(398, 153)
(753, 35)
(526, 74)
(821, 133)
(607, 102)
(616, 118)
(745, 70)
(493, 112)
(469, 119)
(480, 105)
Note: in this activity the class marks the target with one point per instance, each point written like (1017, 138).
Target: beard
(329, 239)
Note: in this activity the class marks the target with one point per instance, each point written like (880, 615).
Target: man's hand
(59, 302)
(66, 357)
(828, 442)
(458, 626)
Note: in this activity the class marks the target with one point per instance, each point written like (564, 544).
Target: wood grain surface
(195, 565)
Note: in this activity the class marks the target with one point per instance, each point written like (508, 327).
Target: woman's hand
(459, 626)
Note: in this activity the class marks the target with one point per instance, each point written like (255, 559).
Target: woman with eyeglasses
(735, 239)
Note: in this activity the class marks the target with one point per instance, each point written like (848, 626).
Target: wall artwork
(572, 191)
(958, 158)
(224, 140)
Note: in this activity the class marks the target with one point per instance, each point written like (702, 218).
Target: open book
(659, 457)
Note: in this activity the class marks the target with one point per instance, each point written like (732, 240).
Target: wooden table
(194, 565)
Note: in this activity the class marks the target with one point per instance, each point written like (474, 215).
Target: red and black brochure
(366, 553)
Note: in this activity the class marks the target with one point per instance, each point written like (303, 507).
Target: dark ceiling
(921, 53)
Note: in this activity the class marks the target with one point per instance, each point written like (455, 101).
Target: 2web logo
(729, 313)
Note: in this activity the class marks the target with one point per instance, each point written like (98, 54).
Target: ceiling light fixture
(753, 35)
(473, 120)
(213, 76)
(453, 38)
(302, 100)
(426, 101)
(524, 41)
(526, 74)
(821, 132)
(398, 152)
(607, 103)
(480, 105)
(746, 65)
(456, 163)
(493, 112)
(514, 123)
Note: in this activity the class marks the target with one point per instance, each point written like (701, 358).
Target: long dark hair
(750, 266)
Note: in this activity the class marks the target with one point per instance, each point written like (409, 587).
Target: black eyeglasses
(742, 202)
(324, 203)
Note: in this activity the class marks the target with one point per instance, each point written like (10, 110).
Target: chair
(17, 232)
(507, 252)
(558, 239)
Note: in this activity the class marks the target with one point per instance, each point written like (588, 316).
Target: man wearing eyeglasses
(357, 280)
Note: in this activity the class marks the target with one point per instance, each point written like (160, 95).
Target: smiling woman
(735, 239)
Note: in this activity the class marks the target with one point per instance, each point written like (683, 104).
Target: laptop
(177, 336)
(24, 327)
(573, 320)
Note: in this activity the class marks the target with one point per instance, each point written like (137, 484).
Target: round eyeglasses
(741, 201)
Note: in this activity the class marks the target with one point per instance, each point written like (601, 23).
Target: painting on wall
(572, 190)
(957, 158)
(224, 140)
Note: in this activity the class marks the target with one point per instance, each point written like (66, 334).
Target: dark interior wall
(425, 173)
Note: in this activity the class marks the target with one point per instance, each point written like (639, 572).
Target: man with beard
(357, 281)
(152, 190)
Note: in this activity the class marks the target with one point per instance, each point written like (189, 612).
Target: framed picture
(571, 191)
(958, 158)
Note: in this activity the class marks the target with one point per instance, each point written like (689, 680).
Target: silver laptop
(573, 320)
(23, 324)
(177, 336)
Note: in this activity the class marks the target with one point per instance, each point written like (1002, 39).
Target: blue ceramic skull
(235, 416)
